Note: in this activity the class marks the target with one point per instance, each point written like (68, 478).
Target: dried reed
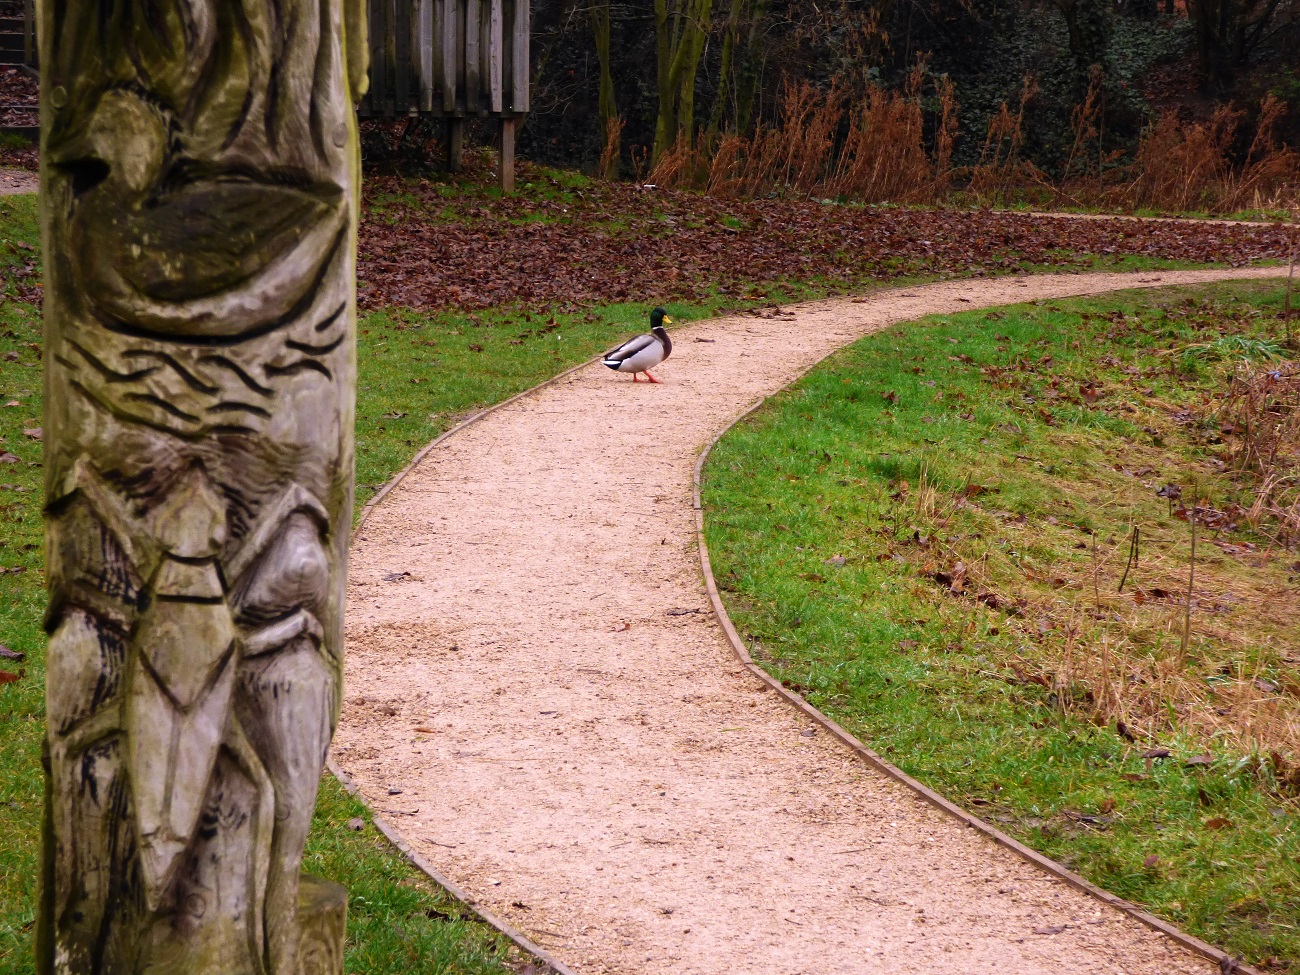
(609, 156)
(821, 145)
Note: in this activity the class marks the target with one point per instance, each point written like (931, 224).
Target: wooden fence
(451, 59)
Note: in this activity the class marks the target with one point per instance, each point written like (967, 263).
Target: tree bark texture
(608, 105)
(681, 27)
(199, 209)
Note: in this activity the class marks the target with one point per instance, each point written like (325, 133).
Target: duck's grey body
(643, 353)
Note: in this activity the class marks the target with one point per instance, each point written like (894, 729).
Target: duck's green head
(659, 318)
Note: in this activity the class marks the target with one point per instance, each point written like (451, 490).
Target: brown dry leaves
(617, 242)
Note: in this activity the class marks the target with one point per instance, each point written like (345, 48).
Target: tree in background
(610, 123)
(681, 28)
(1089, 27)
(693, 72)
(1229, 32)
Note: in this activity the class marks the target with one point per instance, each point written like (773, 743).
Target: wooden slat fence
(448, 58)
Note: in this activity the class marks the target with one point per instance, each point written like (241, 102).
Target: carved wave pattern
(196, 390)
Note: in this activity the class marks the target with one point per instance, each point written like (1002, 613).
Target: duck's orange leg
(650, 377)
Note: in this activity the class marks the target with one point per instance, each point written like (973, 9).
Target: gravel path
(524, 704)
(15, 181)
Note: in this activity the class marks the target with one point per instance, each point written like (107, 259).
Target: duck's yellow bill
(667, 320)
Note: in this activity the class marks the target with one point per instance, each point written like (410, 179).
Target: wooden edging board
(552, 963)
(1227, 964)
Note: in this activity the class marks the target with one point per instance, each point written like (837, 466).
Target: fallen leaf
(7, 654)
(1156, 753)
(8, 678)
(1206, 759)
(7, 458)
(423, 730)
(622, 627)
(1218, 822)
(1151, 861)
(890, 397)
(396, 576)
(356, 824)
(36, 433)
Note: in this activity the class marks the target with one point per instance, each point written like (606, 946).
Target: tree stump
(199, 171)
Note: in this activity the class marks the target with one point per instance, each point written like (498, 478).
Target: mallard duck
(641, 354)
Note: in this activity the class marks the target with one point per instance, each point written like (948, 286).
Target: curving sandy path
(602, 773)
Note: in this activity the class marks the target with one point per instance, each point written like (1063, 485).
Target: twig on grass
(1191, 580)
(1290, 279)
(1132, 556)
(1096, 593)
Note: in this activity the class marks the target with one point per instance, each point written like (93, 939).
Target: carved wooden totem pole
(199, 193)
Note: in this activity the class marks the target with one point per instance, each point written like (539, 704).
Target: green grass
(966, 448)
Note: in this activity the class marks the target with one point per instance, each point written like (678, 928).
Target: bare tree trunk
(607, 104)
(666, 120)
(747, 79)
(199, 212)
(680, 31)
(726, 82)
(693, 44)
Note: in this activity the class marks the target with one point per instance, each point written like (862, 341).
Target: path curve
(606, 776)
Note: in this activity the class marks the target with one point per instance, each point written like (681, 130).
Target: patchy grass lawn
(927, 535)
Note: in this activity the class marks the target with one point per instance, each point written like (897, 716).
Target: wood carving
(199, 193)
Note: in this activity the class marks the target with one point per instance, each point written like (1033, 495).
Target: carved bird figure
(643, 353)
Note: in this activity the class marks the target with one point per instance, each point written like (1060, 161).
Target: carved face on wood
(199, 188)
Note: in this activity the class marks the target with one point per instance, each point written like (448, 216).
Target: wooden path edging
(1228, 964)
(520, 940)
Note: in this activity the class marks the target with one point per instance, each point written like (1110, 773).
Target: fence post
(508, 154)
